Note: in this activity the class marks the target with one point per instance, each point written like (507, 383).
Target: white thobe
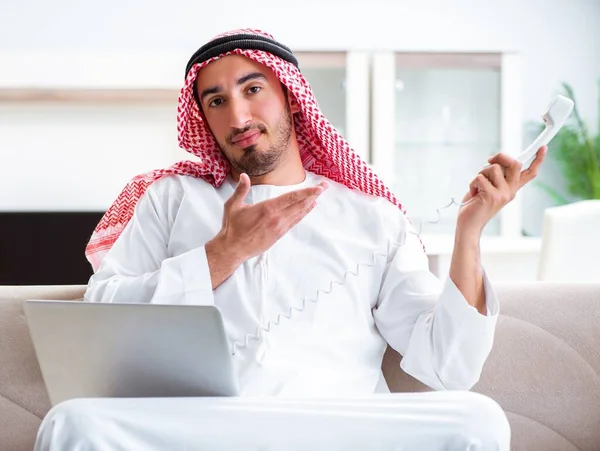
(311, 316)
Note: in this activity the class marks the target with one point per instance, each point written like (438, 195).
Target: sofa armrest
(544, 365)
(23, 397)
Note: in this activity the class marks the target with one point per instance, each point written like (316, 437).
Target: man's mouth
(247, 138)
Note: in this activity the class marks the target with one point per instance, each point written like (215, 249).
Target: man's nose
(239, 113)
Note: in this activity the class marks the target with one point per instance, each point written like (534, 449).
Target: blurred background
(424, 90)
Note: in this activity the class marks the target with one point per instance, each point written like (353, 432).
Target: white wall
(558, 40)
(78, 157)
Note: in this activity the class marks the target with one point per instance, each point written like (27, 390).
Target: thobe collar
(258, 193)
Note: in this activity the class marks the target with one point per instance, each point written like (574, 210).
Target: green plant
(578, 156)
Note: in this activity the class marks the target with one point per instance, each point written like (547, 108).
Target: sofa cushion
(20, 377)
(530, 435)
(18, 427)
(543, 368)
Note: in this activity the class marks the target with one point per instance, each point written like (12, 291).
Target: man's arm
(466, 271)
(495, 186)
(221, 261)
(138, 267)
(445, 331)
(444, 341)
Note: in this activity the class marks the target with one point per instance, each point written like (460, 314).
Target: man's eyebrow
(209, 91)
(251, 76)
(241, 81)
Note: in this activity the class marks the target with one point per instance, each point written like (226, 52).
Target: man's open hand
(250, 230)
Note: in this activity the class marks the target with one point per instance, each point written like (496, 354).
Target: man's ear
(294, 107)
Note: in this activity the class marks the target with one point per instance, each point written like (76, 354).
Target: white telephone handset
(555, 116)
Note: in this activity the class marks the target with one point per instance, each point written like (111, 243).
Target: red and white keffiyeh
(323, 150)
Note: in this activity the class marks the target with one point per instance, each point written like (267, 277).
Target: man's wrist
(467, 246)
(221, 248)
(467, 235)
(465, 267)
(222, 260)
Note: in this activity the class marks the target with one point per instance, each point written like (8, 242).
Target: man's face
(247, 112)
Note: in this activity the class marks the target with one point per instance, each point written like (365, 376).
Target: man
(315, 268)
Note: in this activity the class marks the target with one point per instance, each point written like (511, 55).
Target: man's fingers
(241, 190)
(482, 184)
(294, 213)
(495, 174)
(533, 169)
(512, 167)
(301, 215)
(297, 208)
(514, 173)
(288, 199)
(473, 190)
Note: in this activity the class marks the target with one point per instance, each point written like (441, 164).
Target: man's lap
(376, 422)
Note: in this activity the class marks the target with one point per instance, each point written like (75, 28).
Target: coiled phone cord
(293, 310)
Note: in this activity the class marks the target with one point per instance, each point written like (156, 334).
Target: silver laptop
(96, 350)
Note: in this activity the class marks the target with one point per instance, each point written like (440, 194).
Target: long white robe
(311, 317)
(350, 276)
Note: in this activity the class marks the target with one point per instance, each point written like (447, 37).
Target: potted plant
(577, 155)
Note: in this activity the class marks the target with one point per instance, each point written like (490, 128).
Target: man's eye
(215, 102)
(254, 89)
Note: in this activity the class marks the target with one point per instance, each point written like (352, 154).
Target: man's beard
(257, 163)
